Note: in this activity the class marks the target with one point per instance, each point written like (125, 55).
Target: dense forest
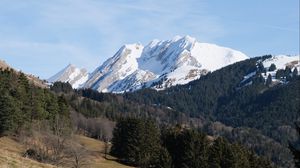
(219, 120)
(22, 103)
(256, 111)
(141, 143)
(260, 116)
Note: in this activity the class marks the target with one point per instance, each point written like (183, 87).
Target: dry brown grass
(3, 64)
(11, 155)
(96, 158)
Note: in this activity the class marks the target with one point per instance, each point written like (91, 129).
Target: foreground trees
(295, 150)
(136, 142)
(22, 103)
(36, 116)
(139, 143)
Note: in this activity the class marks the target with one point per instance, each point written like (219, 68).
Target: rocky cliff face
(160, 64)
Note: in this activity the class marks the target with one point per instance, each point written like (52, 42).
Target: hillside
(257, 109)
(3, 65)
(33, 79)
(11, 155)
(12, 151)
(258, 114)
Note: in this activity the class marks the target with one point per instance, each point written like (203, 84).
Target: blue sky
(42, 36)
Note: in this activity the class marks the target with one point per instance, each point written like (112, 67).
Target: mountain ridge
(75, 76)
(159, 65)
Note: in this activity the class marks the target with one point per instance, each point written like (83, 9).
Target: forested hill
(252, 110)
(255, 111)
(265, 110)
(222, 96)
(41, 120)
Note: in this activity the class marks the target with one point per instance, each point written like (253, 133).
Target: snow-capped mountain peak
(160, 64)
(75, 76)
(122, 64)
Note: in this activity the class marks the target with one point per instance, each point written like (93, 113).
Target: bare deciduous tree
(77, 155)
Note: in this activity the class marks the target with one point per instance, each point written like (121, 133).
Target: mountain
(75, 76)
(160, 64)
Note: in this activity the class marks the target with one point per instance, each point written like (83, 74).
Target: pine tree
(222, 155)
(280, 74)
(5, 108)
(269, 80)
(272, 67)
(37, 104)
(164, 160)
(295, 72)
(51, 106)
(295, 151)
(63, 106)
(241, 154)
(260, 67)
(194, 152)
(10, 114)
(136, 142)
(150, 142)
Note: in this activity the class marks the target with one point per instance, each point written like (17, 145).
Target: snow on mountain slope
(134, 81)
(121, 65)
(281, 62)
(160, 64)
(75, 76)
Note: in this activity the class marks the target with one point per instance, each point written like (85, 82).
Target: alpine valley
(170, 104)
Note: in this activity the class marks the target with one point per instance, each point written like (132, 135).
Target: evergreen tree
(295, 72)
(242, 155)
(272, 67)
(21, 103)
(295, 151)
(37, 104)
(195, 148)
(280, 74)
(288, 73)
(51, 108)
(63, 106)
(5, 113)
(61, 87)
(136, 142)
(269, 80)
(222, 155)
(164, 160)
(150, 143)
(11, 118)
(258, 79)
(260, 67)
